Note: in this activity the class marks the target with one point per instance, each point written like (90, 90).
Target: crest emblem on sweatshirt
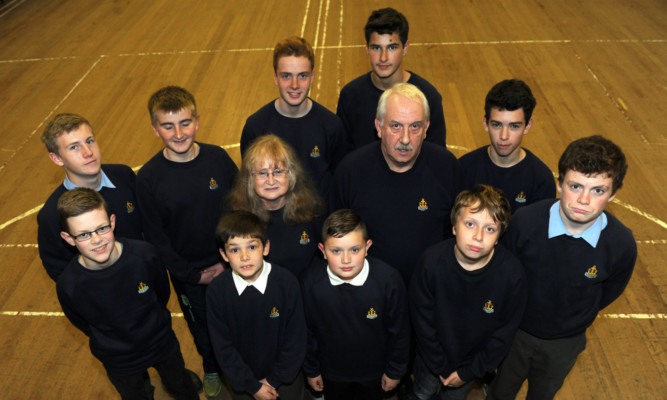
(274, 313)
(130, 207)
(212, 184)
(304, 238)
(371, 314)
(488, 307)
(521, 198)
(143, 288)
(423, 206)
(592, 272)
(315, 152)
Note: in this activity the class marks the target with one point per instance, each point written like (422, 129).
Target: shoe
(195, 380)
(212, 384)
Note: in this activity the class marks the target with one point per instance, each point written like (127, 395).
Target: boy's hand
(211, 272)
(316, 383)
(266, 392)
(452, 380)
(389, 384)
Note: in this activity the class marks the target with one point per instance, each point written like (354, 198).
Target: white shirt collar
(358, 280)
(259, 284)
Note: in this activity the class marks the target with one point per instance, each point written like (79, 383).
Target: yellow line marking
(640, 212)
(25, 214)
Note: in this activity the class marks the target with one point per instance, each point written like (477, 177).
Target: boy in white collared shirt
(255, 315)
(356, 312)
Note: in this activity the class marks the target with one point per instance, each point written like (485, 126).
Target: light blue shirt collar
(590, 235)
(259, 283)
(104, 182)
(358, 280)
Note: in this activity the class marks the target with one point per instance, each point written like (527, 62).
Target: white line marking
(20, 147)
(305, 18)
(180, 315)
(10, 6)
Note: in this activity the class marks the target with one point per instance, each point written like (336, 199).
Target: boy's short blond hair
(171, 99)
(342, 222)
(60, 124)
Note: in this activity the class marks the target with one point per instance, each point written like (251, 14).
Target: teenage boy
(315, 133)
(386, 44)
(578, 259)
(71, 143)
(116, 292)
(181, 190)
(466, 297)
(357, 316)
(505, 165)
(255, 315)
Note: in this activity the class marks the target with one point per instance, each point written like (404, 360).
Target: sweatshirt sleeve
(422, 312)
(397, 328)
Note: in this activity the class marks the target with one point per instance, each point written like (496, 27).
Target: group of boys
(410, 249)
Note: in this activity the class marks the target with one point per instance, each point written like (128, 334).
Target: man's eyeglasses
(82, 237)
(263, 174)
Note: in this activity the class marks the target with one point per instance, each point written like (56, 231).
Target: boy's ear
(66, 237)
(369, 243)
(454, 230)
(56, 159)
(528, 126)
(155, 130)
(112, 222)
(486, 124)
(224, 256)
(321, 247)
(266, 248)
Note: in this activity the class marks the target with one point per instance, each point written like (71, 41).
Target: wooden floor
(596, 67)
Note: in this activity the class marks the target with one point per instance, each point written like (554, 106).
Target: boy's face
(506, 130)
(177, 130)
(78, 152)
(476, 237)
(246, 256)
(583, 199)
(386, 53)
(346, 254)
(294, 75)
(99, 251)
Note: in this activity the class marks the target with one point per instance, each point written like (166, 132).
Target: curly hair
(594, 155)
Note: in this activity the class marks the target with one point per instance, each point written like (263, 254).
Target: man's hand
(316, 383)
(266, 392)
(389, 384)
(452, 380)
(211, 272)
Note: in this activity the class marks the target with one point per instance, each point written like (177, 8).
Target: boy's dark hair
(387, 20)
(293, 46)
(78, 201)
(171, 99)
(240, 224)
(61, 123)
(510, 95)
(342, 222)
(484, 197)
(594, 155)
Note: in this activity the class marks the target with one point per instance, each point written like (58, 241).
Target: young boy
(387, 43)
(357, 315)
(466, 298)
(523, 177)
(116, 292)
(315, 133)
(181, 190)
(72, 144)
(255, 315)
(578, 259)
